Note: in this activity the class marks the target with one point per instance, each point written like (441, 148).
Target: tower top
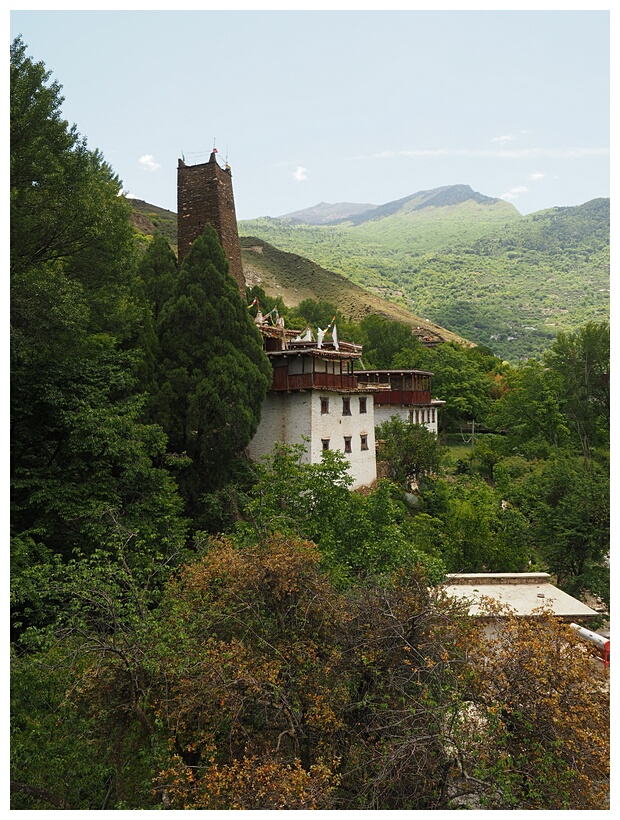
(205, 195)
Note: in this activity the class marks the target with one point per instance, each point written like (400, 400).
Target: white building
(317, 400)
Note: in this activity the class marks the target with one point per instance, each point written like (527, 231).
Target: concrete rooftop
(522, 591)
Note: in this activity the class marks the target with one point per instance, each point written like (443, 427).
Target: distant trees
(565, 400)
(384, 339)
(581, 362)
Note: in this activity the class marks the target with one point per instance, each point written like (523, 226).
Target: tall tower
(205, 195)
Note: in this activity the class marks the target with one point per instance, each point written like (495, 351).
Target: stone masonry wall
(205, 195)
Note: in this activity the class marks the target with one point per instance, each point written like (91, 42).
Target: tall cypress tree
(214, 374)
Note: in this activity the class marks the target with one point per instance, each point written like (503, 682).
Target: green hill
(295, 278)
(472, 263)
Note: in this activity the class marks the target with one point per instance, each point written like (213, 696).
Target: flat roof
(523, 592)
(317, 353)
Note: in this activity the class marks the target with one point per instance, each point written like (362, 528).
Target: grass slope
(295, 278)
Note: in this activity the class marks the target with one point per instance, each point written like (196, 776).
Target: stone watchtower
(205, 195)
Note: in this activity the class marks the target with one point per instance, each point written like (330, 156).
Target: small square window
(325, 443)
(324, 406)
(362, 404)
(364, 442)
(346, 407)
(347, 444)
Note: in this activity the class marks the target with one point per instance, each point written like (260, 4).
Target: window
(325, 443)
(346, 407)
(433, 415)
(324, 409)
(363, 442)
(362, 404)
(417, 416)
(347, 444)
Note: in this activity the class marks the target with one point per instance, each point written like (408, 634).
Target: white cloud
(504, 138)
(300, 174)
(536, 175)
(148, 163)
(513, 193)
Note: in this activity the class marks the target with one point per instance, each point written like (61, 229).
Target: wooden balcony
(403, 397)
(283, 380)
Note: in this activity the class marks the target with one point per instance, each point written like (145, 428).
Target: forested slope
(294, 278)
(476, 267)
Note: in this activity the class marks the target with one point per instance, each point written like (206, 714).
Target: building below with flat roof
(523, 592)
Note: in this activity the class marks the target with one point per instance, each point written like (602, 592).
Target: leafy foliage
(356, 534)
(308, 659)
(581, 361)
(83, 462)
(410, 450)
(256, 683)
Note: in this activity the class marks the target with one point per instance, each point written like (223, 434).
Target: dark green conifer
(214, 374)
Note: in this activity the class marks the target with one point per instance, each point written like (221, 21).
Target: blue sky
(339, 106)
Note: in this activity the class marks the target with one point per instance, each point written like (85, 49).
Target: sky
(339, 106)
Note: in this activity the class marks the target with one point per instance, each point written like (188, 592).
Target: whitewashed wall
(335, 426)
(289, 417)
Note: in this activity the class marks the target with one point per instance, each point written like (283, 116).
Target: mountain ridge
(473, 263)
(325, 213)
